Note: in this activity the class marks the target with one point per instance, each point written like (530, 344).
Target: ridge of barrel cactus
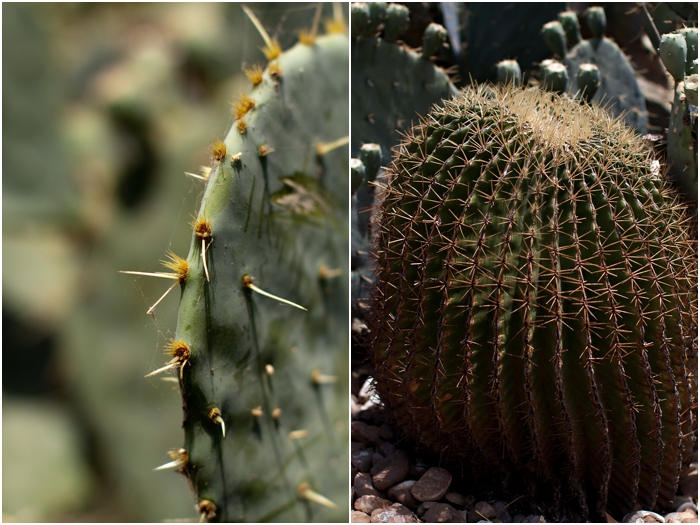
(390, 86)
(619, 90)
(535, 310)
(264, 384)
(679, 53)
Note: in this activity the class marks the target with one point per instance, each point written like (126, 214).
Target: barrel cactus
(535, 305)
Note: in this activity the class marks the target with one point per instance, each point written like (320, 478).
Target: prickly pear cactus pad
(264, 384)
(391, 85)
(535, 312)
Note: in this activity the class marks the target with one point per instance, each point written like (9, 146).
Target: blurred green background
(105, 106)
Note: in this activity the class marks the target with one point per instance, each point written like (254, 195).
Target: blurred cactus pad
(535, 313)
(264, 384)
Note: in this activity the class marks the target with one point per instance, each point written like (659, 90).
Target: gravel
(391, 484)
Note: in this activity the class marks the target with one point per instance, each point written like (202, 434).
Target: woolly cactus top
(554, 122)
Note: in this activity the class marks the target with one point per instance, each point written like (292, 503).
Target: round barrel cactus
(535, 311)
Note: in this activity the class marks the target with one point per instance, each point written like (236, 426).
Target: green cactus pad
(508, 71)
(595, 19)
(683, 142)
(274, 377)
(569, 21)
(554, 77)
(534, 316)
(673, 50)
(555, 37)
(588, 80)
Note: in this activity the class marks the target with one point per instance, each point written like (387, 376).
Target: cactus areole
(535, 311)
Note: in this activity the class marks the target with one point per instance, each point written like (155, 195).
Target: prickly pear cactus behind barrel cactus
(264, 385)
(535, 306)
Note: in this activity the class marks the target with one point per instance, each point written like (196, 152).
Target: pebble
(518, 518)
(535, 518)
(643, 516)
(366, 391)
(361, 431)
(424, 507)
(385, 515)
(432, 485)
(456, 499)
(503, 516)
(362, 459)
(443, 513)
(386, 448)
(481, 511)
(367, 504)
(363, 485)
(689, 505)
(390, 471)
(356, 446)
(359, 517)
(687, 516)
(402, 494)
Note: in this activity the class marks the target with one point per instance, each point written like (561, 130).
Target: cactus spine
(535, 305)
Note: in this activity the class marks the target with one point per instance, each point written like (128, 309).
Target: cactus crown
(556, 122)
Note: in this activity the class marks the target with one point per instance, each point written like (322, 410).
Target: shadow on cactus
(534, 316)
(264, 384)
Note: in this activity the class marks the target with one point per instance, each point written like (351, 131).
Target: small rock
(688, 516)
(390, 471)
(456, 499)
(674, 517)
(367, 504)
(402, 494)
(365, 433)
(432, 485)
(424, 507)
(688, 505)
(356, 446)
(397, 513)
(377, 458)
(359, 517)
(481, 511)
(362, 460)
(386, 448)
(442, 513)
(643, 516)
(386, 432)
(518, 518)
(535, 518)
(367, 391)
(402, 519)
(503, 516)
(363, 485)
